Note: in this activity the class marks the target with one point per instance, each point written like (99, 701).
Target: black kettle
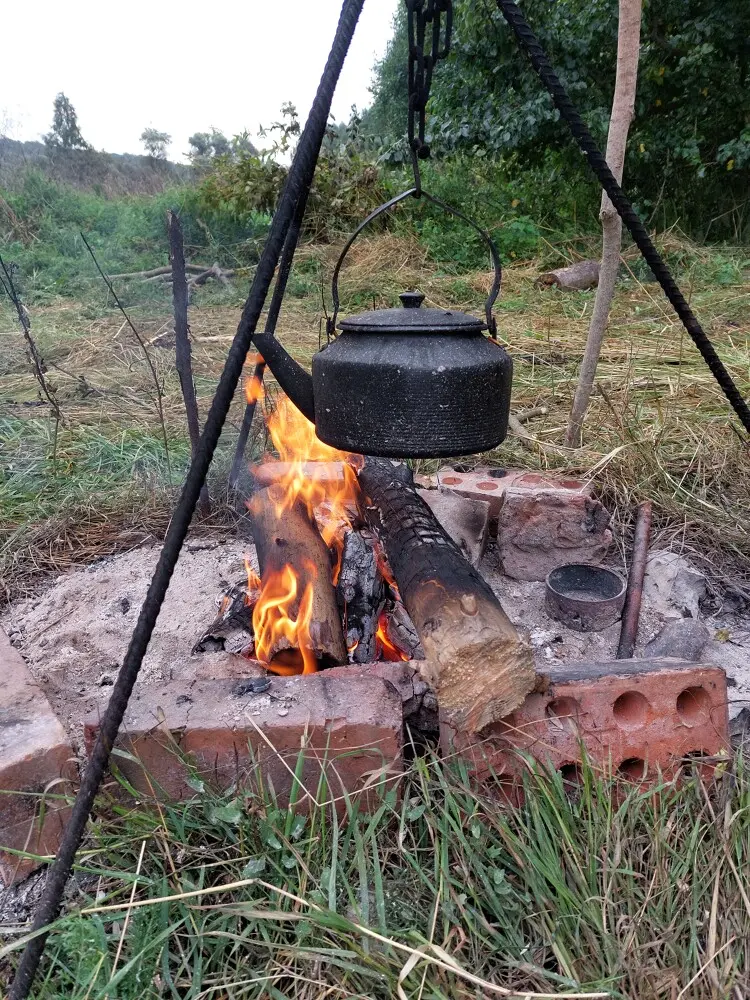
(406, 382)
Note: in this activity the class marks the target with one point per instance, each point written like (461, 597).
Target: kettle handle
(494, 291)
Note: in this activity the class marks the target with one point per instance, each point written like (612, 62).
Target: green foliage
(689, 148)
(347, 184)
(585, 887)
(128, 234)
(65, 133)
(205, 147)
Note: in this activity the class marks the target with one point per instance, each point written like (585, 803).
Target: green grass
(628, 892)
(128, 234)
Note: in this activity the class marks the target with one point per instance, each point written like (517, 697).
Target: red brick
(654, 711)
(35, 757)
(348, 730)
(490, 484)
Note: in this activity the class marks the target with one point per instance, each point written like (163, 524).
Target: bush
(127, 234)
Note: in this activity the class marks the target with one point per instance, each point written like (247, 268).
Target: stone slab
(465, 520)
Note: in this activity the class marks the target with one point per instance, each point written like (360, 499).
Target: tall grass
(620, 891)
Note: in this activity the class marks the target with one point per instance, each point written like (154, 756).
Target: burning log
(478, 665)
(360, 595)
(297, 623)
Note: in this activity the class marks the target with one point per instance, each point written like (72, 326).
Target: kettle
(408, 382)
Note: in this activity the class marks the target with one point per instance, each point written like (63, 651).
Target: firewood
(292, 538)
(578, 277)
(157, 272)
(475, 660)
(401, 631)
(359, 591)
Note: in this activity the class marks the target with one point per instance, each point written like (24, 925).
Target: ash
(74, 633)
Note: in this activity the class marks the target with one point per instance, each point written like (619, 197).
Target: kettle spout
(292, 378)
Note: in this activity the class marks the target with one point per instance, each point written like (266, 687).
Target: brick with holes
(638, 718)
(490, 484)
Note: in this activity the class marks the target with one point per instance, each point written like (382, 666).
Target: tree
(689, 155)
(623, 104)
(65, 132)
(208, 146)
(155, 143)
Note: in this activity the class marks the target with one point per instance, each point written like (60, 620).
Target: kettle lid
(412, 319)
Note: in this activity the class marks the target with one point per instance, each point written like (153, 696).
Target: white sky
(179, 67)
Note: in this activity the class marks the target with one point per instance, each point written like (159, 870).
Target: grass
(624, 891)
(639, 894)
(658, 427)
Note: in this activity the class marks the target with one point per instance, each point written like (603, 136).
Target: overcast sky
(179, 67)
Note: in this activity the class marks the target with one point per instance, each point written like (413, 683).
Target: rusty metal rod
(631, 613)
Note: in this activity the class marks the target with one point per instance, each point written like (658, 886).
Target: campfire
(353, 567)
(325, 594)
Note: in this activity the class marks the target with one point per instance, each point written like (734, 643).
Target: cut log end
(480, 668)
(477, 663)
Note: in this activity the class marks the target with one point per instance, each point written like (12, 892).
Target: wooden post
(623, 104)
(182, 342)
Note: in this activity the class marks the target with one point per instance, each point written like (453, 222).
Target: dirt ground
(74, 633)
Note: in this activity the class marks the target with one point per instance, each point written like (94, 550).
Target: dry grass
(658, 427)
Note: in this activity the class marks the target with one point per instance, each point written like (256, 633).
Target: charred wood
(475, 660)
(360, 596)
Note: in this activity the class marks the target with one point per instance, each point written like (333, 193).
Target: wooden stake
(182, 342)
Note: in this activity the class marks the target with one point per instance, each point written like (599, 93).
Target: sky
(178, 67)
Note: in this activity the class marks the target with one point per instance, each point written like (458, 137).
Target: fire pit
(360, 624)
(354, 567)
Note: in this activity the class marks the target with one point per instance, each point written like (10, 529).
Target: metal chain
(421, 15)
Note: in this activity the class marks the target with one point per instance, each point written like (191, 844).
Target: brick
(348, 730)
(465, 520)
(420, 707)
(490, 484)
(542, 529)
(35, 756)
(635, 717)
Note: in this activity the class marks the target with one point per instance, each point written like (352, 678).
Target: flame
(331, 495)
(334, 498)
(253, 580)
(387, 649)
(274, 620)
(253, 385)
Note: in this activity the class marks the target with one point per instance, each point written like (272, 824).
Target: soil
(74, 633)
